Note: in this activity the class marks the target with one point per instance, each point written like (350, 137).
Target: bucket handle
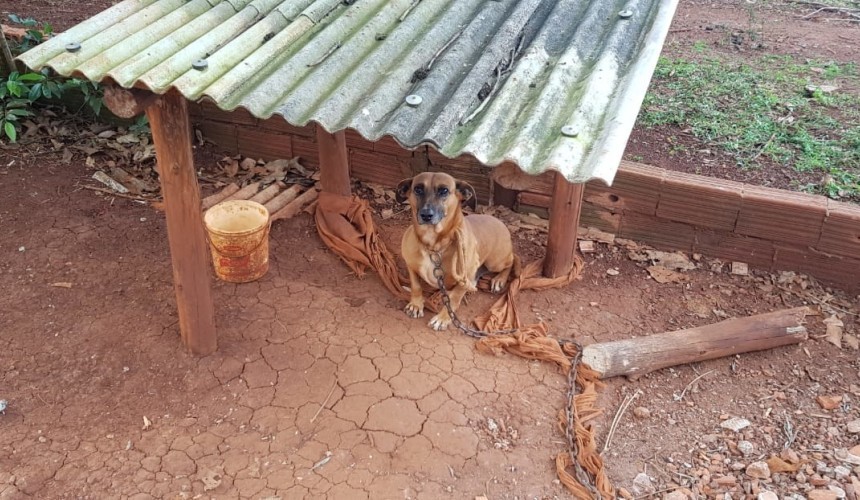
(263, 239)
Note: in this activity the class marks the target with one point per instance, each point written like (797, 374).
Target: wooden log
(267, 194)
(171, 134)
(646, 354)
(214, 199)
(127, 103)
(283, 199)
(334, 162)
(244, 193)
(563, 222)
(296, 205)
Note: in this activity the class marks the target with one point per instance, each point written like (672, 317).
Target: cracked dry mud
(322, 386)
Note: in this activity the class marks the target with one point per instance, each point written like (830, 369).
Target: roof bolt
(73, 47)
(569, 131)
(414, 100)
(625, 14)
(200, 64)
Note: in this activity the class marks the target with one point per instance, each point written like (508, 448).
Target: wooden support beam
(171, 133)
(334, 162)
(128, 103)
(642, 355)
(563, 223)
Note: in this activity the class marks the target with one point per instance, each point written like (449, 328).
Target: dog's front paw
(497, 285)
(440, 321)
(414, 310)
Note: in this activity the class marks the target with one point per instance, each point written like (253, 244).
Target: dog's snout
(425, 214)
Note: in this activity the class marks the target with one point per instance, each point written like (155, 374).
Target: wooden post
(127, 103)
(171, 133)
(334, 162)
(563, 224)
(641, 355)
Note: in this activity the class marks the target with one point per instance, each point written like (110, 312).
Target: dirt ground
(322, 387)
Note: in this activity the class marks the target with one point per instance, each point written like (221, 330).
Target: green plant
(35, 34)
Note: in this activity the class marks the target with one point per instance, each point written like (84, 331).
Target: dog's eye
(443, 191)
(419, 190)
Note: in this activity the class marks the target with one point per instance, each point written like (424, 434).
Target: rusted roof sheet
(544, 84)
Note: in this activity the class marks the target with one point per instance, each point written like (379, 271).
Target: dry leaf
(248, 163)
(834, 330)
(231, 168)
(777, 464)
(146, 423)
(663, 275)
(852, 341)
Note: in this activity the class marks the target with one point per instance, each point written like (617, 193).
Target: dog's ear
(402, 193)
(468, 198)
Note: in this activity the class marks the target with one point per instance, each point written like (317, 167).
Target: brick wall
(767, 228)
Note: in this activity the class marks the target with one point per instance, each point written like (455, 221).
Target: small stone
(586, 246)
(840, 493)
(829, 402)
(852, 340)
(746, 448)
(740, 268)
(854, 426)
(625, 494)
(613, 272)
(841, 472)
(21, 249)
(642, 412)
(735, 424)
(822, 495)
(758, 470)
(642, 485)
(811, 89)
(676, 495)
(767, 495)
(387, 213)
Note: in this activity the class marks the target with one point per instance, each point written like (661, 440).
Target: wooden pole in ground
(171, 133)
(563, 223)
(734, 336)
(334, 162)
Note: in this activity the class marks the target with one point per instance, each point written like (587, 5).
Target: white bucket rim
(215, 210)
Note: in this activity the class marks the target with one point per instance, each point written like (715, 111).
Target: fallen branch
(645, 354)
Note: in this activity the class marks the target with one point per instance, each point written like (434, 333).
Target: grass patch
(764, 114)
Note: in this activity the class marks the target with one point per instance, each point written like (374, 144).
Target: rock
(735, 424)
(767, 495)
(211, 480)
(613, 272)
(854, 426)
(834, 330)
(822, 495)
(586, 246)
(840, 493)
(740, 268)
(623, 493)
(387, 213)
(841, 472)
(676, 495)
(852, 340)
(829, 402)
(746, 448)
(642, 485)
(642, 412)
(812, 89)
(758, 470)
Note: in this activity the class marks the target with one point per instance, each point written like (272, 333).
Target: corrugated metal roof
(498, 79)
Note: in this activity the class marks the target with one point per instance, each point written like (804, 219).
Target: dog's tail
(517, 268)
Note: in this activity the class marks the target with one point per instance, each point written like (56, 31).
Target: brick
(702, 201)
(729, 246)
(378, 168)
(783, 216)
(534, 199)
(354, 140)
(596, 216)
(238, 116)
(307, 150)
(225, 135)
(840, 271)
(389, 146)
(257, 143)
(277, 123)
(598, 193)
(638, 187)
(657, 232)
(840, 233)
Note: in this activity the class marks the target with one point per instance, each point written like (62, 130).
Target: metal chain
(573, 449)
(439, 274)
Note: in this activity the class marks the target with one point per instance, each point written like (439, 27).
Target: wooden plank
(334, 162)
(642, 355)
(563, 223)
(171, 134)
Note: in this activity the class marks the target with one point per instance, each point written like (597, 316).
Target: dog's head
(434, 196)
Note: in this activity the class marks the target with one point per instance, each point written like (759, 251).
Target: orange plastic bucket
(238, 233)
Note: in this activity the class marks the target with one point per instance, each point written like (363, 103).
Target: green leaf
(31, 77)
(11, 132)
(19, 112)
(35, 91)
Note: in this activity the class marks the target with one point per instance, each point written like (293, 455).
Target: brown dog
(466, 244)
